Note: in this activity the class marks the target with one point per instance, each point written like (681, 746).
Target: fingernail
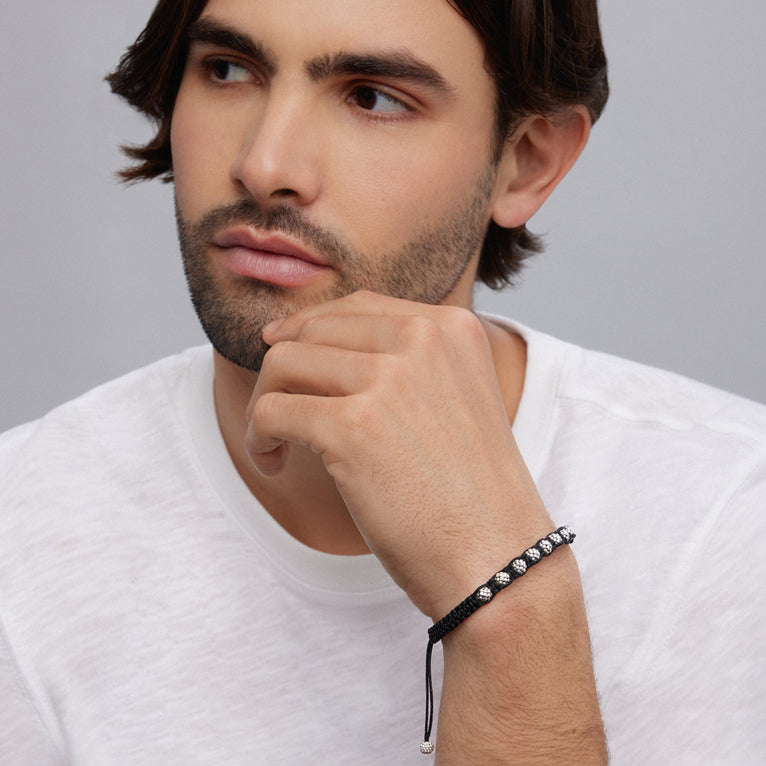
(272, 326)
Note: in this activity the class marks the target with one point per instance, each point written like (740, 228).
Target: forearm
(518, 678)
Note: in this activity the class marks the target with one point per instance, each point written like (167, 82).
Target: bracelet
(481, 596)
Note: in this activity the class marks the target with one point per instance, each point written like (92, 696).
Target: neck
(303, 498)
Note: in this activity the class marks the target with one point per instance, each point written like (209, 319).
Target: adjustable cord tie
(481, 596)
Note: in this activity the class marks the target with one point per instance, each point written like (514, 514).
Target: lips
(272, 243)
(268, 258)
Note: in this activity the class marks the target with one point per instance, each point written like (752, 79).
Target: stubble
(233, 310)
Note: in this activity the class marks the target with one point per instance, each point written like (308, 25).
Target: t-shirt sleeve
(700, 672)
(24, 737)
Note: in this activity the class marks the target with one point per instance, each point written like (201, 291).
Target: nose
(278, 161)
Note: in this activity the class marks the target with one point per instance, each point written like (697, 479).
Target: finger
(355, 305)
(317, 369)
(362, 333)
(271, 463)
(278, 418)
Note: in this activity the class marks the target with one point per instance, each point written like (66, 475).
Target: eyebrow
(207, 31)
(394, 64)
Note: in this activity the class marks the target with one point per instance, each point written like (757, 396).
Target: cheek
(391, 194)
(200, 167)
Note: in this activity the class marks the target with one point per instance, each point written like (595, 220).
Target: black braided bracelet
(481, 596)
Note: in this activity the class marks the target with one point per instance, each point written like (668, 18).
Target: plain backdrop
(656, 241)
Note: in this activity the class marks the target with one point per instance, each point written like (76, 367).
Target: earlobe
(538, 156)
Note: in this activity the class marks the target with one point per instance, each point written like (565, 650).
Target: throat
(305, 502)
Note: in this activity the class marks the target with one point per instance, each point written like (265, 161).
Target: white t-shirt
(152, 612)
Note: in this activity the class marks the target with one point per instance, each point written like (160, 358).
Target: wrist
(495, 630)
(523, 668)
(517, 568)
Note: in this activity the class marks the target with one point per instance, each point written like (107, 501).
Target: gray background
(656, 241)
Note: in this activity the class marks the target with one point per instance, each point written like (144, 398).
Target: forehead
(432, 30)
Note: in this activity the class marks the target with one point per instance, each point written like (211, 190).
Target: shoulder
(593, 382)
(96, 477)
(592, 425)
(636, 391)
(117, 424)
(677, 434)
(120, 399)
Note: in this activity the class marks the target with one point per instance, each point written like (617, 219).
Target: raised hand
(402, 402)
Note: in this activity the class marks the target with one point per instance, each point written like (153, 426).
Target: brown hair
(544, 55)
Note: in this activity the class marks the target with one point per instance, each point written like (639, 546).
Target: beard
(233, 312)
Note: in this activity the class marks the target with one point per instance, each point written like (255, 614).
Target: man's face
(325, 146)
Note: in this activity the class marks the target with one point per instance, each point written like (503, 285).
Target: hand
(402, 402)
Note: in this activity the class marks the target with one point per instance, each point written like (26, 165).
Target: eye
(373, 100)
(222, 70)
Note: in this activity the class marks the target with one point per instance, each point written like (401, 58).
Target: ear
(539, 154)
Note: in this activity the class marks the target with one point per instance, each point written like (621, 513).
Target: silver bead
(426, 748)
(502, 578)
(533, 555)
(545, 546)
(484, 594)
(555, 538)
(519, 566)
(566, 533)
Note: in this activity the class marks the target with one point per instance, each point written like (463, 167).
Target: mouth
(269, 258)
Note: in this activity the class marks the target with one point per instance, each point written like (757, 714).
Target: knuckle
(311, 328)
(468, 324)
(361, 416)
(359, 298)
(422, 329)
(264, 407)
(376, 367)
(463, 326)
(460, 317)
(279, 353)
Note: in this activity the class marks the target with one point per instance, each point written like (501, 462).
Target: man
(186, 573)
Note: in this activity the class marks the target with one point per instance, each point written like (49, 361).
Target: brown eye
(228, 71)
(366, 97)
(374, 100)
